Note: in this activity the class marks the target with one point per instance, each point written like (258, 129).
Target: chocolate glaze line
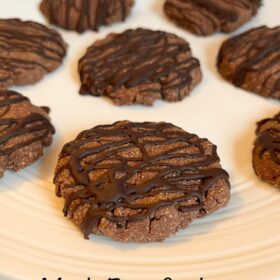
(254, 5)
(86, 17)
(256, 48)
(103, 6)
(27, 37)
(110, 192)
(214, 7)
(11, 29)
(11, 127)
(11, 97)
(272, 46)
(7, 98)
(216, 12)
(184, 11)
(269, 139)
(127, 62)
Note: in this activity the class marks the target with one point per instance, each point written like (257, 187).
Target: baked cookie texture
(266, 152)
(139, 182)
(82, 15)
(205, 17)
(28, 51)
(252, 61)
(25, 130)
(139, 66)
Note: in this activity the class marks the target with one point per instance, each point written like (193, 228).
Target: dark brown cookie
(252, 61)
(24, 130)
(266, 153)
(81, 15)
(205, 17)
(28, 51)
(139, 182)
(139, 66)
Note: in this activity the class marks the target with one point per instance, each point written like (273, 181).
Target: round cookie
(28, 51)
(24, 130)
(205, 17)
(139, 182)
(252, 61)
(139, 66)
(81, 15)
(266, 152)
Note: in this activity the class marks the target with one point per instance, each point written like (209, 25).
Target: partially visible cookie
(81, 15)
(139, 66)
(266, 153)
(252, 61)
(139, 182)
(205, 17)
(24, 130)
(28, 51)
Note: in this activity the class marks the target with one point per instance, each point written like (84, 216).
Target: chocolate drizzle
(85, 14)
(179, 162)
(269, 139)
(214, 7)
(263, 47)
(204, 17)
(138, 57)
(27, 46)
(35, 124)
(256, 52)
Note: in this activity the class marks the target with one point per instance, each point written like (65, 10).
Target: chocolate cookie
(24, 130)
(81, 15)
(252, 61)
(139, 182)
(28, 51)
(205, 17)
(139, 66)
(266, 153)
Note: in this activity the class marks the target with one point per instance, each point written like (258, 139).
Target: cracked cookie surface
(25, 130)
(81, 15)
(28, 51)
(252, 61)
(139, 66)
(205, 17)
(139, 182)
(266, 152)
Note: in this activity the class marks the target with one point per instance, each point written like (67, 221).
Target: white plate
(241, 241)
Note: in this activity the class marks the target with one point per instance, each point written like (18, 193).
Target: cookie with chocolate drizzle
(24, 130)
(82, 15)
(139, 66)
(139, 182)
(28, 51)
(266, 153)
(205, 17)
(252, 61)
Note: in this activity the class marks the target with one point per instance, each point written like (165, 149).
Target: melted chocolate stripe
(21, 38)
(109, 192)
(217, 10)
(16, 63)
(190, 13)
(11, 127)
(25, 44)
(84, 12)
(187, 16)
(269, 139)
(11, 97)
(250, 64)
(129, 69)
(33, 42)
(259, 51)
